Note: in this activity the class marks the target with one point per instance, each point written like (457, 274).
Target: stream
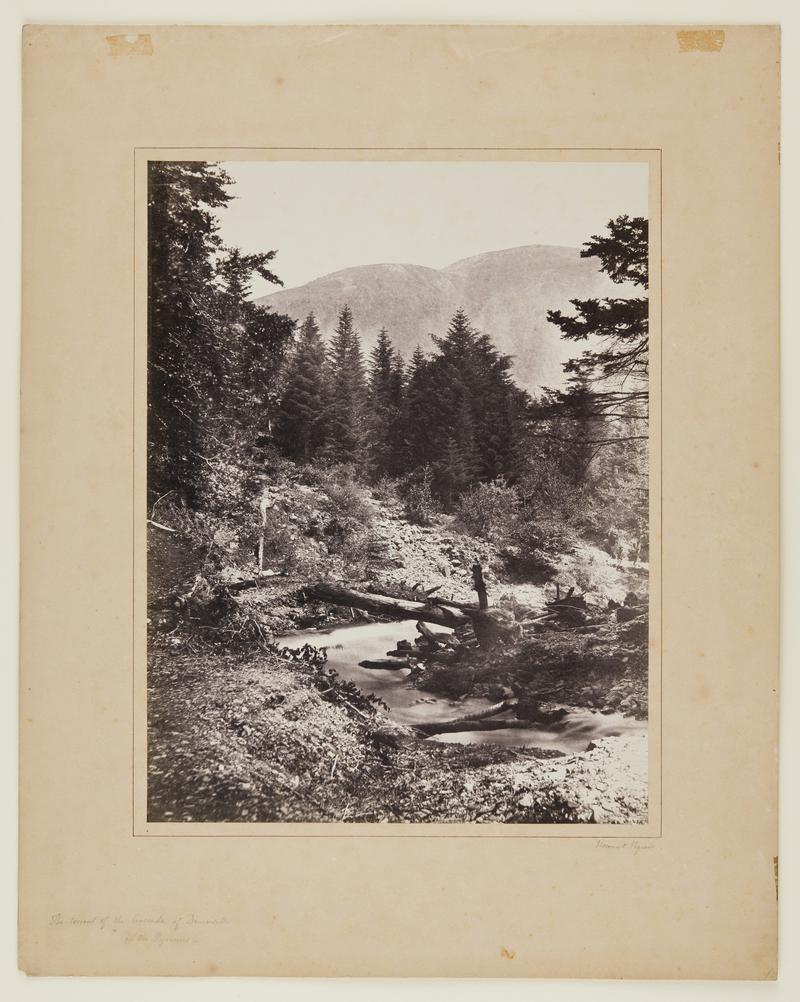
(347, 645)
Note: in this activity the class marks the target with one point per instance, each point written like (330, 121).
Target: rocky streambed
(410, 704)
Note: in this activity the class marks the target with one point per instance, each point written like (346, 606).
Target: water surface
(347, 645)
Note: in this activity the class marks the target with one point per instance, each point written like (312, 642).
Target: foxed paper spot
(508, 954)
(708, 40)
(130, 45)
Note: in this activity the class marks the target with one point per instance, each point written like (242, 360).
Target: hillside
(279, 732)
(506, 293)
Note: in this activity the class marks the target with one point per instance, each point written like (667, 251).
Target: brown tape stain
(129, 45)
(708, 40)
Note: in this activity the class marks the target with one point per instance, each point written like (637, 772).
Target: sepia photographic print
(399, 491)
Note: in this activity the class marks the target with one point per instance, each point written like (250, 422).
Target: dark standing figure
(479, 585)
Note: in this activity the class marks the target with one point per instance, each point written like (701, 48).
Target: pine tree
(212, 353)
(454, 472)
(252, 352)
(386, 385)
(395, 439)
(474, 411)
(381, 360)
(347, 395)
(300, 426)
(418, 447)
(596, 429)
(619, 367)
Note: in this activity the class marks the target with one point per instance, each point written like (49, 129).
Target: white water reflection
(347, 645)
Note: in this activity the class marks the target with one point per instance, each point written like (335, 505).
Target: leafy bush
(356, 551)
(542, 532)
(489, 510)
(418, 502)
(386, 490)
(323, 474)
(348, 504)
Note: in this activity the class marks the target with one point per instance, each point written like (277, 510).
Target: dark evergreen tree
(347, 395)
(300, 421)
(381, 359)
(182, 363)
(592, 436)
(212, 354)
(395, 437)
(618, 368)
(418, 448)
(253, 347)
(472, 409)
(454, 472)
(386, 384)
(581, 425)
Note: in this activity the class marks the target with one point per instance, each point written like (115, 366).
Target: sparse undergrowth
(238, 733)
(254, 738)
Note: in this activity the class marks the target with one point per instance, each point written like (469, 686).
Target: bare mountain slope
(505, 293)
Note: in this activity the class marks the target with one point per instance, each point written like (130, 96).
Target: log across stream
(347, 645)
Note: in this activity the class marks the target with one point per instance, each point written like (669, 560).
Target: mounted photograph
(399, 485)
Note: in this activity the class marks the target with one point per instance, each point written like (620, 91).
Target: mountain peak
(548, 252)
(506, 293)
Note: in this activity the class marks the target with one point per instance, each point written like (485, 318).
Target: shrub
(418, 501)
(356, 551)
(544, 533)
(489, 511)
(386, 490)
(323, 474)
(348, 504)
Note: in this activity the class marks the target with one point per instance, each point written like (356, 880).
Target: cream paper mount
(103, 889)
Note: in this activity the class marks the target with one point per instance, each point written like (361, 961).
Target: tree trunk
(457, 726)
(462, 606)
(480, 586)
(385, 664)
(479, 717)
(264, 507)
(434, 638)
(398, 608)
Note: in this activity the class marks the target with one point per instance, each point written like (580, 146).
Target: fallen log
(432, 637)
(166, 528)
(448, 726)
(384, 664)
(451, 604)
(457, 726)
(399, 608)
(568, 611)
(237, 586)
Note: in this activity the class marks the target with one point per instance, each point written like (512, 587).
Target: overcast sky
(322, 217)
